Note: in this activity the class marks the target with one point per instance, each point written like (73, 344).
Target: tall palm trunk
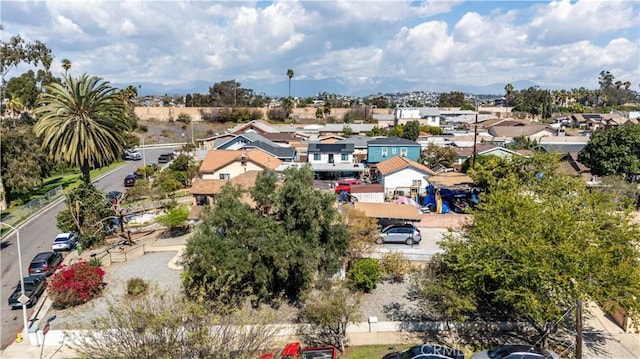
(3, 196)
(86, 172)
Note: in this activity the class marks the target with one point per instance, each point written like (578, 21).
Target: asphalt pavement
(36, 235)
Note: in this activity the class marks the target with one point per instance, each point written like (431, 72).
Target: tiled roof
(392, 141)
(367, 188)
(515, 131)
(388, 211)
(259, 125)
(398, 163)
(468, 151)
(214, 186)
(216, 159)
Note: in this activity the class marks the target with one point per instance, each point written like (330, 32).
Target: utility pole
(579, 329)
(475, 139)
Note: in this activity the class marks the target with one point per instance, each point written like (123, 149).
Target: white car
(133, 155)
(64, 242)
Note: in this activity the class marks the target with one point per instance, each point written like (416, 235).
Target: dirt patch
(159, 132)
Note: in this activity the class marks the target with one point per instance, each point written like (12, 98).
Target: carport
(389, 211)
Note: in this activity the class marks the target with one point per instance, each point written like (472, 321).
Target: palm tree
(290, 75)
(81, 122)
(66, 65)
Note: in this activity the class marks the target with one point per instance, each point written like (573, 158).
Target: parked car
(129, 181)
(164, 158)
(402, 233)
(45, 263)
(33, 288)
(132, 155)
(296, 351)
(64, 241)
(427, 351)
(516, 351)
(345, 185)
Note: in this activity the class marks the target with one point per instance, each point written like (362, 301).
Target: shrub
(395, 266)
(136, 286)
(365, 274)
(95, 262)
(75, 284)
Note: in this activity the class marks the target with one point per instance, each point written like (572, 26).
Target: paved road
(36, 236)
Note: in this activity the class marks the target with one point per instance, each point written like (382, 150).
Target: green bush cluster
(136, 286)
(365, 274)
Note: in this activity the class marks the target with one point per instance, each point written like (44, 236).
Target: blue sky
(555, 44)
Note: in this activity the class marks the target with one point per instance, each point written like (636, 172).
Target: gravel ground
(390, 301)
(152, 267)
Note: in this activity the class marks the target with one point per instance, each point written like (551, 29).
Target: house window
(403, 152)
(416, 183)
(344, 157)
(225, 176)
(393, 150)
(384, 152)
(316, 157)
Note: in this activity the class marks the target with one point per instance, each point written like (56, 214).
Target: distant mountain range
(311, 88)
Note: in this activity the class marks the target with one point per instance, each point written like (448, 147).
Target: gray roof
(563, 147)
(355, 127)
(281, 152)
(358, 141)
(330, 147)
(392, 141)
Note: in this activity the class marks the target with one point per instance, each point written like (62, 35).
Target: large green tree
(613, 151)
(538, 242)
(411, 130)
(82, 123)
(23, 162)
(267, 251)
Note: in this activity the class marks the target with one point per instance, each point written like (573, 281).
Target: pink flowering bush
(75, 284)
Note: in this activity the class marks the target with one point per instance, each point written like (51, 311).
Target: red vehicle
(294, 351)
(345, 185)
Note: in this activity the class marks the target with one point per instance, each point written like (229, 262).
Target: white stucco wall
(324, 158)
(369, 197)
(404, 179)
(233, 169)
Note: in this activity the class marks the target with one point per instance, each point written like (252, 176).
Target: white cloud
(561, 43)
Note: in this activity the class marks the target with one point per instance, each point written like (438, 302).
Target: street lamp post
(24, 304)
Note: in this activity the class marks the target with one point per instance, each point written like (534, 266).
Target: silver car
(64, 242)
(402, 233)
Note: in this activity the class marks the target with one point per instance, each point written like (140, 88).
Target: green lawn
(369, 351)
(67, 181)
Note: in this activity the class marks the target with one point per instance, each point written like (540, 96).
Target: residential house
(571, 166)
(253, 126)
(339, 128)
(283, 153)
(232, 141)
(333, 160)
(205, 191)
(563, 144)
(585, 120)
(331, 138)
(505, 134)
(401, 176)
(426, 116)
(227, 164)
(384, 148)
(384, 120)
(359, 146)
(482, 149)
